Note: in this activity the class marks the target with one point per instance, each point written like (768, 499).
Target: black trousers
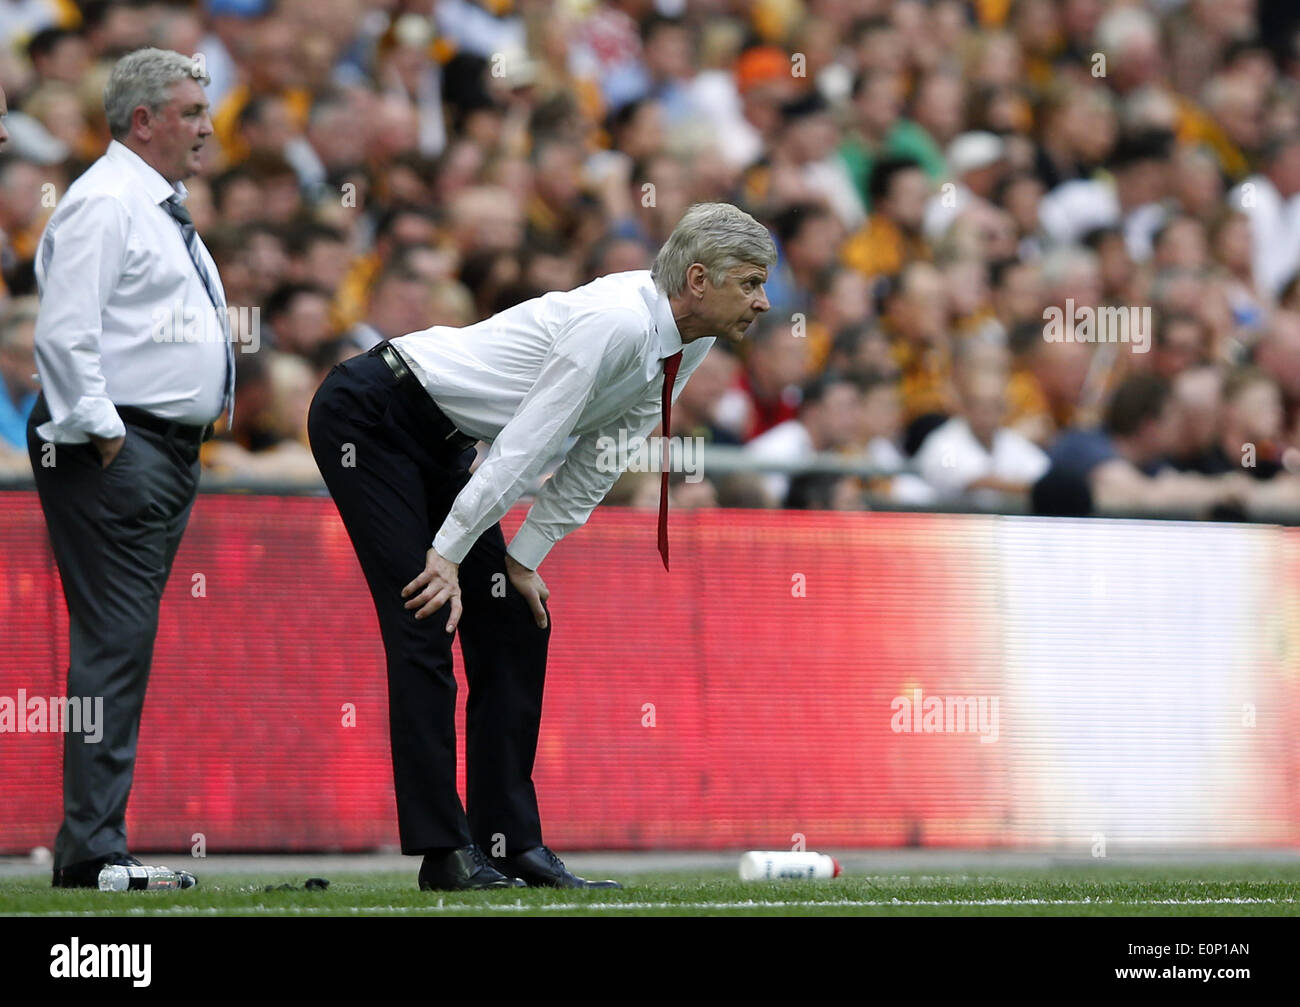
(394, 486)
(114, 534)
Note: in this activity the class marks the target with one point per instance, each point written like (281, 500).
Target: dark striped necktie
(173, 205)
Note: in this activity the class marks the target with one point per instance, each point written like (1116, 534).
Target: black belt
(185, 432)
(409, 385)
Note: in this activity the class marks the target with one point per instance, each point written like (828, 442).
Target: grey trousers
(114, 534)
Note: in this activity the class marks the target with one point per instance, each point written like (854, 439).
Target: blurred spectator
(880, 130)
(1181, 343)
(399, 228)
(743, 489)
(1270, 199)
(402, 302)
(745, 107)
(807, 237)
(1250, 438)
(1139, 167)
(58, 54)
(695, 413)
(1199, 394)
(1079, 131)
(298, 316)
(977, 162)
(1121, 466)
(974, 453)
(805, 162)
(861, 349)
(878, 437)
(937, 175)
(276, 436)
(892, 235)
(824, 491)
(842, 298)
(22, 210)
(18, 385)
(690, 494)
(826, 421)
(767, 391)
(916, 321)
(1278, 354)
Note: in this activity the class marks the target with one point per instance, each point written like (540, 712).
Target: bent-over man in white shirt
(392, 432)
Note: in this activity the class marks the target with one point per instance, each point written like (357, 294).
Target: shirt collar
(155, 186)
(670, 339)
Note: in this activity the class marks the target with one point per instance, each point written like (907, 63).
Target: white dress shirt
(124, 316)
(951, 458)
(586, 362)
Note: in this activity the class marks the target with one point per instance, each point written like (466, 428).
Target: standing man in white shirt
(392, 433)
(128, 395)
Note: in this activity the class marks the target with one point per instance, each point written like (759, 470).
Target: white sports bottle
(783, 865)
(121, 878)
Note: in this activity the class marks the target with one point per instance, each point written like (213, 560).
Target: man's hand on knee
(438, 584)
(530, 584)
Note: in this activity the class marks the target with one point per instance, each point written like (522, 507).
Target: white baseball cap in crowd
(974, 150)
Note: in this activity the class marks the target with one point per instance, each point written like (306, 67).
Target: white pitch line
(516, 907)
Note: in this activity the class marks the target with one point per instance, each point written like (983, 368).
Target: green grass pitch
(1103, 889)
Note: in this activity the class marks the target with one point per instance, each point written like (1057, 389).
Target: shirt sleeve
(80, 262)
(566, 384)
(566, 500)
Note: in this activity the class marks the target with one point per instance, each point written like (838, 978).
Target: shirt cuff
(92, 415)
(451, 542)
(529, 546)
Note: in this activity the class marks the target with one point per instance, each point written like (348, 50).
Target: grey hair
(145, 77)
(719, 236)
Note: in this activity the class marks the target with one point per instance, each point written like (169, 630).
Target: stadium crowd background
(936, 174)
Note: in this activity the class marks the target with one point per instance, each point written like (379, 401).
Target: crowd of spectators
(968, 199)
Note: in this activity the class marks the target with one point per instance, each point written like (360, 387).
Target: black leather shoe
(539, 867)
(85, 873)
(462, 870)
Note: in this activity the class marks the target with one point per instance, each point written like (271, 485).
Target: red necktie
(670, 375)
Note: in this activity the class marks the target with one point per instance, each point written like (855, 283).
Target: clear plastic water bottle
(121, 878)
(785, 865)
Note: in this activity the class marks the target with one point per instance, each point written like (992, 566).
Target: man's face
(729, 308)
(308, 322)
(985, 405)
(908, 194)
(1159, 436)
(880, 103)
(1182, 348)
(815, 248)
(179, 130)
(840, 415)
(716, 373)
(880, 414)
(400, 306)
(1259, 411)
